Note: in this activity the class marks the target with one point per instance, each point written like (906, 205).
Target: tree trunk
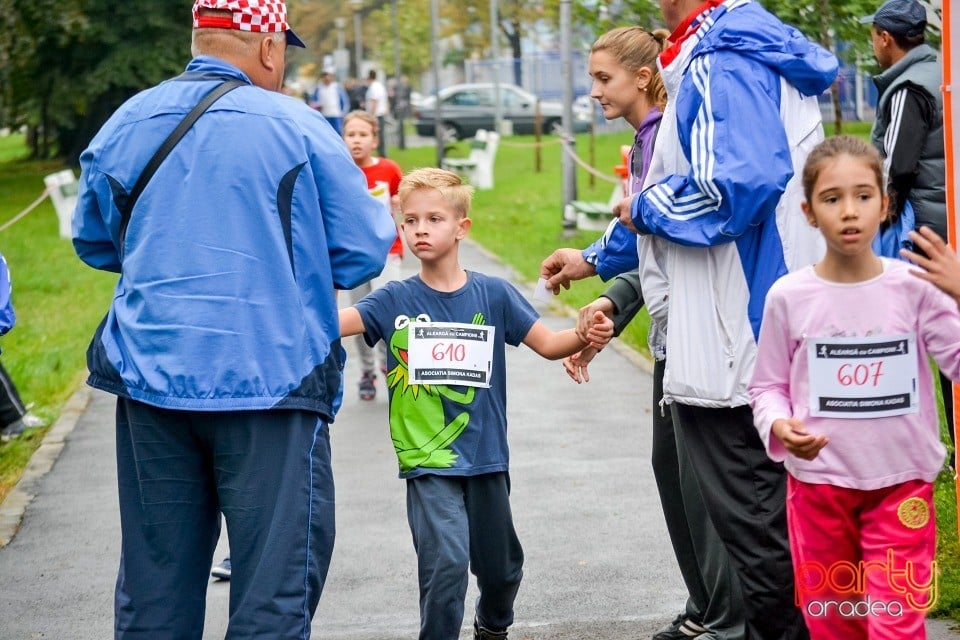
(32, 142)
(837, 107)
(825, 14)
(513, 38)
(72, 139)
(45, 128)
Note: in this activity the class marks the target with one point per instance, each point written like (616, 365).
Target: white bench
(478, 166)
(596, 216)
(591, 216)
(62, 189)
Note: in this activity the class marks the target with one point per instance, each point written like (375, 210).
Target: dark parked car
(469, 107)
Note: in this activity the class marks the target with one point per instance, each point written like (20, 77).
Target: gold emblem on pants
(914, 513)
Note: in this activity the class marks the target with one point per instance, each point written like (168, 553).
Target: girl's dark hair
(834, 147)
(635, 48)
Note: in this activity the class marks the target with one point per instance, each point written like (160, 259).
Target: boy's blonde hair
(360, 114)
(457, 194)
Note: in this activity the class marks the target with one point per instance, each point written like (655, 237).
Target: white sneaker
(32, 421)
(28, 421)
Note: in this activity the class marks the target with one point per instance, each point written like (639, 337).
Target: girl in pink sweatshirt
(842, 393)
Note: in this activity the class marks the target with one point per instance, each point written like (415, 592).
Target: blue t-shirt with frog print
(447, 429)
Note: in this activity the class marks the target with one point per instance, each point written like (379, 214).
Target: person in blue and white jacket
(222, 339)
(14, 416)
(725, 212)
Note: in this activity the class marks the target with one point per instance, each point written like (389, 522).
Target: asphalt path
(598, 562)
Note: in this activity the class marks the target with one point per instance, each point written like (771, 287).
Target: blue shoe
(222, 570)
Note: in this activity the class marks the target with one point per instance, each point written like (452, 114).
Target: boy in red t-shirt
(361, 134)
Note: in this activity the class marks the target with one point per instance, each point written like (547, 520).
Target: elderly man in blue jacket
(222, 341)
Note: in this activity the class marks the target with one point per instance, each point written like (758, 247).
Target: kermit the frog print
(421, 433)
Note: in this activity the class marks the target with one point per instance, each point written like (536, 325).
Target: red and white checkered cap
(257, 16)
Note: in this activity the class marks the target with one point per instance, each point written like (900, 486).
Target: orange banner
(951, 46)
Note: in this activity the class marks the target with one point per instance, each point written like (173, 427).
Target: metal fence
(540, 73)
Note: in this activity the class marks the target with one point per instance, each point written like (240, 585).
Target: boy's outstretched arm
(351, 323)
(555, 345)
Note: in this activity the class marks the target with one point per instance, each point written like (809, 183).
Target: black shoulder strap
(215, 94)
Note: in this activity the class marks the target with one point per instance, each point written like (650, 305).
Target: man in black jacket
(908, 130)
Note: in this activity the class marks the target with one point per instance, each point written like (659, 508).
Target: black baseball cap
(902, 17)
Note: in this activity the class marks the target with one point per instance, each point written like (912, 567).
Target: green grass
(12, 148)
(59, 300)
(859, 129)
(948, 547)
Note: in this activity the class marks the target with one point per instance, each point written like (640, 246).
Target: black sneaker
(682, 628)
(482, 633)
(368, 389)
(222, 570)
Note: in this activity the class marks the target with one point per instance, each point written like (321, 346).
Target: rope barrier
(568, 149)
(529, 145)
(33, 205)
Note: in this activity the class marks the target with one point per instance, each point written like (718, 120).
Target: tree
(315, 23)
(597, 17)
(829, 23)
(413, 32)
(126, 47)
(465, 23)
(73, 62)
(517, 18)
(835, 24)
(37, 31)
